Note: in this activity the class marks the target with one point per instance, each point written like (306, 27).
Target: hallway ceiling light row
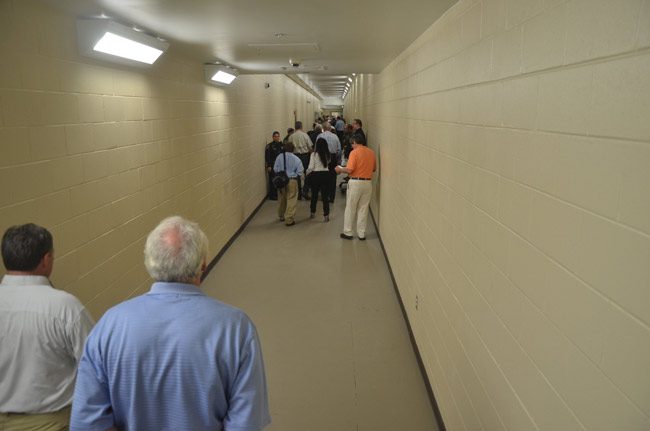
(107, 40)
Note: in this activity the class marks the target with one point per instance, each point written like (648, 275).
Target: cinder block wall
(514, 203)
(100, 153)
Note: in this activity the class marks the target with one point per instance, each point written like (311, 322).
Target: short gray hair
(327, 126)
(175, 250)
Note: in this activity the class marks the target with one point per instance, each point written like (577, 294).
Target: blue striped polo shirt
(172, 359)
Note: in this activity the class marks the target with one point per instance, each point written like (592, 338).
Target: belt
(362, 179)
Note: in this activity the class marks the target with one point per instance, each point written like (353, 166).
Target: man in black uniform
(271, 151)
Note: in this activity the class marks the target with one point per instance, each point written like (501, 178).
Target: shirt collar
(25, 280)
(162, 287)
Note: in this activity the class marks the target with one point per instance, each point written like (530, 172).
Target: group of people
(172, 359)
(319, 156)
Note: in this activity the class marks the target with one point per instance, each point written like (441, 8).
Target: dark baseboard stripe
(232, 239)
(423, 370)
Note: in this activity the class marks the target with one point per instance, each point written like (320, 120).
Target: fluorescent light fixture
(223, 77)
(122, 47)
(349, 79)
(218, 74)
(107, 40)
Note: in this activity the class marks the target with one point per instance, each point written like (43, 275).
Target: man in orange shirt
(360, 167)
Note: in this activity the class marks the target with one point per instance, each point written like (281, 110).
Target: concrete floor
(336, 347)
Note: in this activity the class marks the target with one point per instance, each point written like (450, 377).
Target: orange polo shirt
(362, 162)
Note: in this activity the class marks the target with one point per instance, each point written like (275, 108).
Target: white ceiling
(330, 39)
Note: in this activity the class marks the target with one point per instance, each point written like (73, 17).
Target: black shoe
(344, 236)
(291, 224)
(326, 218)
(312, 215)
(362, 238)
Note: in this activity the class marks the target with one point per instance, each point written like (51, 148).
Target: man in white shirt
(302, 148)
(42, 334)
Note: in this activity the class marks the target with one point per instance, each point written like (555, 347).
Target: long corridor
(336, 346)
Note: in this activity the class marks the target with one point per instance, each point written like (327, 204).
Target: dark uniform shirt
(271, 152)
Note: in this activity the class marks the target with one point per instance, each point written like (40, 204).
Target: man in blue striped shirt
(288, 195)
(172, 359)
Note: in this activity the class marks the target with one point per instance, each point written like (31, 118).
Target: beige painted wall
(514, 203)
(100, 153)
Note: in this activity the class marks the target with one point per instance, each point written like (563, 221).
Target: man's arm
(248, 406)
(277, 166)
(79, 332)
(349, 168)
(301, 169)
(91, 405)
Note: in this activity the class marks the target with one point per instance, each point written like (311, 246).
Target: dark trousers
(272, 192)
(332, 183)
(320, 182)
(304, 158)
(332, 186)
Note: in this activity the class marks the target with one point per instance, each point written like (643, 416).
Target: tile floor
(336, 347)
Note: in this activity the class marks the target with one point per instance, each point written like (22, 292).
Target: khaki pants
(357, 199)
(288, 199)
(55, 421)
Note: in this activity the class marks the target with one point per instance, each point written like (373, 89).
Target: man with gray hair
(173, 358)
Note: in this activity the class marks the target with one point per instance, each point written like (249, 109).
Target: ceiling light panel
(220, 75)
(109, 41)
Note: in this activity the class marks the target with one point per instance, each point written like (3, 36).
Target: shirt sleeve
(312, 163)
(91, 405)
(300, 169)
(79, 333)
(277, 167)
(352, 162)
(248, 407)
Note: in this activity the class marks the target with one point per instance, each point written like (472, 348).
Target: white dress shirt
(42, 335)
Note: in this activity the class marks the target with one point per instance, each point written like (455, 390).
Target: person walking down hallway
(173, 358)
(357, 126)
(319, 177)
(271, 152)
(42, 334)
(361, 166)
(288, 195)
(302, 147)
(334, 146)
